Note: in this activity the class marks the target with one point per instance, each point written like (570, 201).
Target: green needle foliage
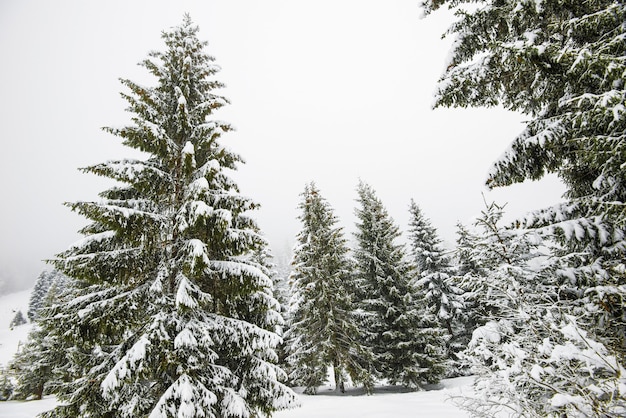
(407, 348)
(323, 331)
(173, 317)
(563, 64)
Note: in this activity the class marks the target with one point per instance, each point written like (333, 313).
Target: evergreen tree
(17, 320)
(489, 248)
(280, 291)
(391, 321)
(43, 284)
(436, 281)
(6, 386)
(466, 263)
(173, 316)
(561, 63)
(530, 357)
(322, 330)
(283, 271)
(41, 364)
(433, 266)
(36, 363)
(471, 277)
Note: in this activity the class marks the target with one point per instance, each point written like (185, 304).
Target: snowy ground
(10, 339)
(385, 402)
(30, 409)
(429, 403)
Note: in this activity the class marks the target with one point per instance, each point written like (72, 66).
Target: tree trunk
(339, 384)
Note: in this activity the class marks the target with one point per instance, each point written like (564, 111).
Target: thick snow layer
(188, 148)
(489, 332)
(435, 402)
(26, 409)
(384, 403)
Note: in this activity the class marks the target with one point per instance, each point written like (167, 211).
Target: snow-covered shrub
(531, 357)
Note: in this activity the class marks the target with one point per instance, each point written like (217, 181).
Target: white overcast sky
(325, 90)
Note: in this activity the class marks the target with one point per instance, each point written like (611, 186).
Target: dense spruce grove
(170, 307)
(407, 343)
(322, 324)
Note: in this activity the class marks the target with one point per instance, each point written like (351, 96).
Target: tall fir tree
(433, 266)
(437, 282)
(174, 317)
(323, 331)
(562, 64)
(405, 351)
(42, 284)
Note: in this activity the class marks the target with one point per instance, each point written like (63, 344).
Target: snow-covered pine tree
(561, 63)
(17, 320)
(433, 266)
(436, 282)
(390, 320)
(45, 281)
(488, 247)
(282, 266)
(265, 260)
(42, 284)
(6, 384)
(173, 317)
(36, 363)
(471, 272)
(464, 254)
(41, 364)
(529, 356)
(323, 331)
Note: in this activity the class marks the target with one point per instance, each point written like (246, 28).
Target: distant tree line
(372, 313)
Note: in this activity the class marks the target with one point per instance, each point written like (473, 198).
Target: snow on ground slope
(28, 409)
(10, 339)
(385, 402)
(433, 403)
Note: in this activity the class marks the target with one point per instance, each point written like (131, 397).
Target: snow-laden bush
(531, 356)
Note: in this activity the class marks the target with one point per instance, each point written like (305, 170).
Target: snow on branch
(94, 238)
(131, 361)
(239, 269)
(186, 398)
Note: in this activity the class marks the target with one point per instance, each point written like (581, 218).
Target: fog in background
(324, 91)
